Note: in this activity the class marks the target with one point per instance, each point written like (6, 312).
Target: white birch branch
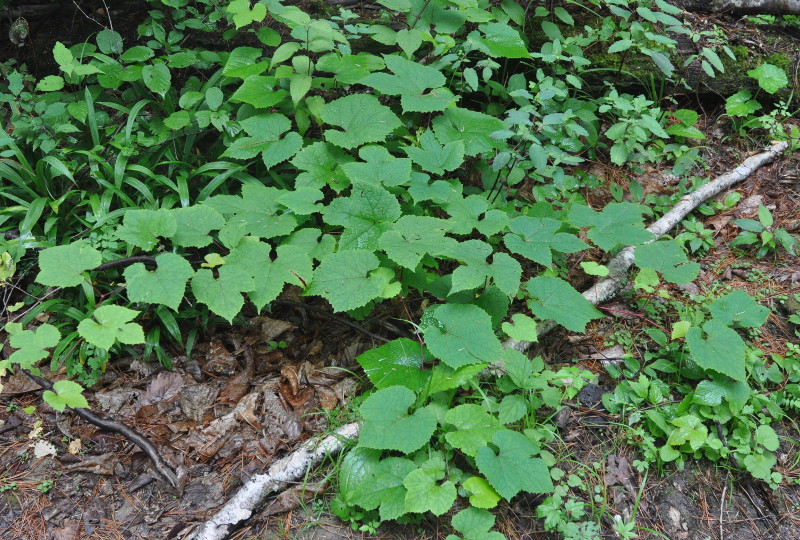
(618, 266)
(289, 469)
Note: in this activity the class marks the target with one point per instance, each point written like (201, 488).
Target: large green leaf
(266, 137)
(166, 285)
(111, 324)
(473, 428)
(424, 494)
(322, 165)
(499, 40)
(387, 424)
(419, 87)
(668, 258)
(366, 214)
(379, 167)
(471, 127)
(460, 334)
(31, 344)
(362, 118)
(739, 309)
(537, 238)
(142, 228)
(504, 270)
(413, 237)
(556, 299)
(62, 266)
(435, 157)
(346, 279)
(222, 295)
(397, 363)
(256, 212)
(382, 487)
(722, 350)
(513, 468)
(194, 223)
(616, 225)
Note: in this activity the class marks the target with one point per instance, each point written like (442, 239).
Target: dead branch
(292, 468)
(618, 266)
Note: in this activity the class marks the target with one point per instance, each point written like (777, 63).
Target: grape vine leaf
(722, 350)
(513, 469)
(31, 344)
(321, 164)
(504, 270)
(668, 258)
(536, 239)
(423, 494)
(166, 285)
(346, 279)
(473, 428)
(474, 523)
(66, 394)
(434, 157)
(194, 223)
(362, 118)
(460, 334)
(302, 201)
(387, 424)
(471, 127)
(383, 487)
(142, 228)
(413, 83)
(110, 324)
(739, 309)
(617, 224)
(366, 214)
(222, 294)
(378, 167)
(291, 265)
(62, 266)
(265, 131)
(473, 212)
(413, 237)
(256, 212)
(397, 363)
(483, 494)
(558, 300)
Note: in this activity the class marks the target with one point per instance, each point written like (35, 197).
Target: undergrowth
(153, 188)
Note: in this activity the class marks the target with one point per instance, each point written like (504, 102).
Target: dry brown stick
(618, 266)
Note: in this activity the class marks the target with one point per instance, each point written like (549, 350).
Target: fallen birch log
(291, 468)
(618, 266)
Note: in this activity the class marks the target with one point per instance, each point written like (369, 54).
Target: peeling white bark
(291, 468)
(618, 266)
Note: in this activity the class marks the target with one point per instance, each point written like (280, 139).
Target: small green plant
(762, 235)
(45, 486)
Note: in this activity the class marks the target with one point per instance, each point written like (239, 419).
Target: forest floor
(244, 399)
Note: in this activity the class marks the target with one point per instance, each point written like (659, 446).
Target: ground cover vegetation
(429, 155)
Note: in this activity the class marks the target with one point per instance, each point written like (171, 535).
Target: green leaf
(346, 279)
(559, 301)
(322, 163)
(351, 68)
(265, 132)
(460, 334)
(722, 350)
(536, 238)
(765, 435)
(475, 523)
(411, 81)
(256, 212)
(617, 224)
(435, 157)
(379, 167)
(383, 487)
(483, 496)
(164, 286)
(362, 118)
(111, 324)
(243, 63)
(142, 228)
(740, 104)
(222, 294)
(473, 428)
(668, 258)
(291, 265)
(62, 54)
(770, 78)
(739, 309)
(690, 430)
(62, 266)
(193, 225)
(299, 85)
(31, 344)
(619, 46)
(423, 494)
(499, 40)
(387, 424)
(397, 363)
(473, 128)
(760, 465)
(513, 469)
(243, 14)
(521, 328)
(504, 270)
(157, 78)
(259, 91)
(67, 394)
(50, 83)
(413, 237)
(592, 268)
(366, 214)
(513, 407)
(355, 467)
